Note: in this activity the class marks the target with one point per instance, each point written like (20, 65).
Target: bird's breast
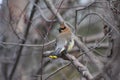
(70, 46)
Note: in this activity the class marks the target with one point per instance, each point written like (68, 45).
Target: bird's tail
(57, 52)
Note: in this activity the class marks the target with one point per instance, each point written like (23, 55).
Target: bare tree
(27, 37)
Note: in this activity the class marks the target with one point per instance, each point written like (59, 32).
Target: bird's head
(63, 28)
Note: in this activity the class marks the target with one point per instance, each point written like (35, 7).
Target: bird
(64, 41)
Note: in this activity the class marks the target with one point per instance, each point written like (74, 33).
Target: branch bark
(80, 67)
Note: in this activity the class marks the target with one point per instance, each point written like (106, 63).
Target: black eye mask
(60, 29)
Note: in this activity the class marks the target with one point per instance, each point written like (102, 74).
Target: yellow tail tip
(53, 57)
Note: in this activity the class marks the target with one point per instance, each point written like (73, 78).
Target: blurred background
(30, 22)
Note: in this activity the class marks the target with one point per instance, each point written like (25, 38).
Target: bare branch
(10, 22)
(27, 45)
(93, 37)
(99, 15)
(57, 71)
(54, 11)
(42, 14)
(20, 48)
(82, 8)
(80, 67)
(91, 46)
(85, 39)
(89, 53)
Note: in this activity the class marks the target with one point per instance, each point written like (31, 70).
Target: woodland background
(28, 29)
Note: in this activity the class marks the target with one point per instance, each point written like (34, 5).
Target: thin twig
(99, 15)
(57, 71)
(42, 14)
(10, 22)
(27, 45)
(22, 12)
(82, 8)
(19, 49)
(42, 60)
(85, 39)
(54, 10)
(75, 21)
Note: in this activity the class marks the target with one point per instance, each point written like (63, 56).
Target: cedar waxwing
(64, 42)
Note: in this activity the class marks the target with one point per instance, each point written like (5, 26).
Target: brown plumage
(64, 28)
(64, 41)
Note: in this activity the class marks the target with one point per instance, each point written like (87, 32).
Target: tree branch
(54, 11)
(28, 45)
(22, 41)
(80, 67)
(99, 15)
(57, 71)
(42, 14)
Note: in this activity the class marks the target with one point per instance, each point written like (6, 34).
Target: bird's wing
(60, 45)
